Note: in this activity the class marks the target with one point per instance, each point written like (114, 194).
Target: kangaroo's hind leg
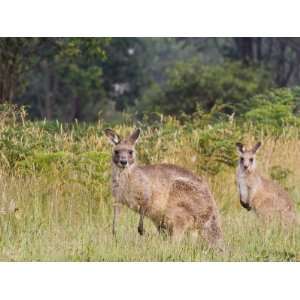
(179, 222)
(177, 232)
(212, 234)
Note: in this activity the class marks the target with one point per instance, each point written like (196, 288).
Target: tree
(66, 81)
(279, 55)
(191, 85)
(76, 78)
(16, 55)
(124, 71)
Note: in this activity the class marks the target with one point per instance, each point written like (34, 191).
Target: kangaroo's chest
(243, 188)
(128, 192)
(249, 187)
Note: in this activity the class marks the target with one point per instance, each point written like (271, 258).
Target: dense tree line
(88, 78)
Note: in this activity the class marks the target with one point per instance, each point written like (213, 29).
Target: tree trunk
(245, 49)
(47, 91)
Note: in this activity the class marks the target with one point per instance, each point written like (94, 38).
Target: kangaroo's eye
(242, 159)
(116, 152)
(251, 160)
(130, 152)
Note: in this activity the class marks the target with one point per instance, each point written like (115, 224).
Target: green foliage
(42, 161)
(273, 115)
(63, 78)
(73, 48)
(124, 71)
(281, 175)
(191, 84)
(17, 55)
(84, 78)
(274, 108)
(216, 145)
(284, 96)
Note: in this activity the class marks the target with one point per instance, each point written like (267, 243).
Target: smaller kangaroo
(175, 199)
(264, 196)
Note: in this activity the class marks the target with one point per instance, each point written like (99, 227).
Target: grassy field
(59, 178)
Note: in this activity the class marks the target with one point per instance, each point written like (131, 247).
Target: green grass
(56, 225)
(65, 221)
(59, 178)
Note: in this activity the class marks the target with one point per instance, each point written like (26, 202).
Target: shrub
(216, 146)
(281, 175)
(275, 108)
(190, 84)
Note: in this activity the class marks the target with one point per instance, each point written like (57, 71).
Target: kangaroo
(264, 196)
(174, 199)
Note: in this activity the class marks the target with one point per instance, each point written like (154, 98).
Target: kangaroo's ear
(240, 148)
(134, 136)
(256, 147)
(112, 136)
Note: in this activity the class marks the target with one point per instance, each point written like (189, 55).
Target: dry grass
(65, 201)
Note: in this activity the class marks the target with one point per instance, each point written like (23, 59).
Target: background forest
(111, 78)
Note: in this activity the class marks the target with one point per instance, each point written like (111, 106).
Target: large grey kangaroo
(175, 199)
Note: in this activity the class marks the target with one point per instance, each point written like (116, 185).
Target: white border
(149, 281)
(149, 18)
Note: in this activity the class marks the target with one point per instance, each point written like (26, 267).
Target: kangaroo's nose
(123, 162)
(246, 167)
